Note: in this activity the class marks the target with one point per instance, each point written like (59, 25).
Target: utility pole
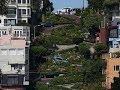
(83, 4)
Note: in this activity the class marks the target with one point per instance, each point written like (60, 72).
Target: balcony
(12, 2)
(11, 12)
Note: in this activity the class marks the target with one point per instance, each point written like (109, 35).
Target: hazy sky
(59, 4)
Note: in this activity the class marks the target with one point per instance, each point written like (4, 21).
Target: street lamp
(34, 29)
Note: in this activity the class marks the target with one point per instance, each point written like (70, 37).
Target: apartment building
(113, 57)
(18, 11)
(14, 46)
(112, 69)
(114, 39)
(14, 53)
(14, 61)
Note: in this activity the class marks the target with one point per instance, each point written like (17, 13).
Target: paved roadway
(65, 47)
(49, 29)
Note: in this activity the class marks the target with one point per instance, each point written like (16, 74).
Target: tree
(92, 71)
(78, 40)
(96, 4)
(36, 4)
(38, 50)
(84, 50)
(111, 5)
(100, 48)
(47, 6)
(36, 56)
(90, 21)
(111, 2)
(42, 7)
(4, 7)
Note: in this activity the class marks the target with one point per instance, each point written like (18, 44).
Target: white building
(14, 61)
(66, 11)
(18, 11)
(14, 44)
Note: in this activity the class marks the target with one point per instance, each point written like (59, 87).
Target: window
(28, 34)
(3, 32)
(12, 52)
(113, 33)
(26, 50)
(116, 45)
(19, 1)
(19, 11)
(11, 11)
(28, 11)
(20, 52)
(117, 67)
(9, 22)
(28, 1)
(17, 33)
(20, 33)
(12, 80)
(23, 11)
(17, 66)
(3, 51)
(23, 1)
(111, 44)
(24, 21)
(114, 68)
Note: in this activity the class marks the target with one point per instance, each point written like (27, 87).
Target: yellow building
(112, 68)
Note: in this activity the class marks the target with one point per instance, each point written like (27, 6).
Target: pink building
(14, 61)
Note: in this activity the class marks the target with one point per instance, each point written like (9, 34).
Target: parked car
(47, 24)
(58, 58)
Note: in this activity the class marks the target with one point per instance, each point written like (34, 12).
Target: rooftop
(15, 42)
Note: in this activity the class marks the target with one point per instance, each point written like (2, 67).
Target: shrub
(38, 50)
(78, 40)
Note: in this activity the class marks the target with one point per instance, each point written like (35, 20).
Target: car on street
(58, 58)
(47, 24)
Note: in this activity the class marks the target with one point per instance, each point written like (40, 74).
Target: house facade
(18, 11)
(14, 61)
(14, 46)
(113, 56)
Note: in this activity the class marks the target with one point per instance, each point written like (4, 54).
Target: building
(102, 35)
(14, 46)
(115, 11)
(18, 11)
(16, 31)
(112, 69)
(14, 53)
(14, 61)
(113, 57)
(66, 11)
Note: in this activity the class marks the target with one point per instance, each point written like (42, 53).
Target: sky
(59, 4)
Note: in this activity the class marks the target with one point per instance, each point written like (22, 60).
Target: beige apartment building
(112, 69)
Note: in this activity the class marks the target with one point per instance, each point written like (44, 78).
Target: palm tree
(3, 7)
